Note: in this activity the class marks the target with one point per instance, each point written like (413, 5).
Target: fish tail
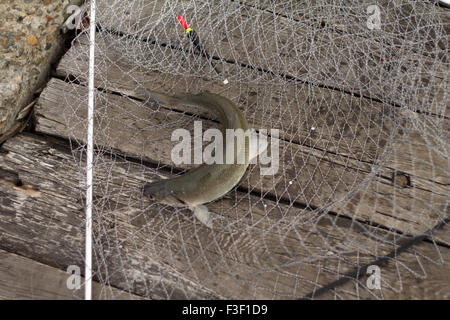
(161, 98)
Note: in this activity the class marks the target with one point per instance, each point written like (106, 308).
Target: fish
(207, 182)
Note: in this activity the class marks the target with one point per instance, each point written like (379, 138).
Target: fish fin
(202, 213)
(257, 145)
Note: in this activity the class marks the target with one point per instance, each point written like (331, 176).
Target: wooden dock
(146, 250)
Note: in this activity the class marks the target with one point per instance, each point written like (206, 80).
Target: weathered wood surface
(43, 219)
(399, 21)
(158, 252)
(291, 107)
(414, 280)
(306, 175)
(24, 278)
(155, 251)
(308, 52)
(351, 127)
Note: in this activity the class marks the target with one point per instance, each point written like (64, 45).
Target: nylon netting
(360, 104)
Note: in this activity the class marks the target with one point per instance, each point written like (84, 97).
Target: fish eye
(150, 196)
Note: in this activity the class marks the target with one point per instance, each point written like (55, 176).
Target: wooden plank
(404, 21)
(311, 177)
(353, 62)
(270, 251)
(23, 278)
(47, 225)
(404, 42)
(415, 280)
(408, 30)
(351, 127)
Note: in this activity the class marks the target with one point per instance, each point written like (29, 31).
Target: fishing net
(358, 92)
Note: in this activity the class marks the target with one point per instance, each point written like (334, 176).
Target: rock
(32, 40)
(29, 42)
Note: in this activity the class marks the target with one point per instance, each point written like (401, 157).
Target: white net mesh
(358, 92)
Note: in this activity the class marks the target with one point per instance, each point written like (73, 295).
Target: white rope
(90, 150)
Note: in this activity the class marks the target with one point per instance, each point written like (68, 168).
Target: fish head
(155, 190)
(158, 191)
